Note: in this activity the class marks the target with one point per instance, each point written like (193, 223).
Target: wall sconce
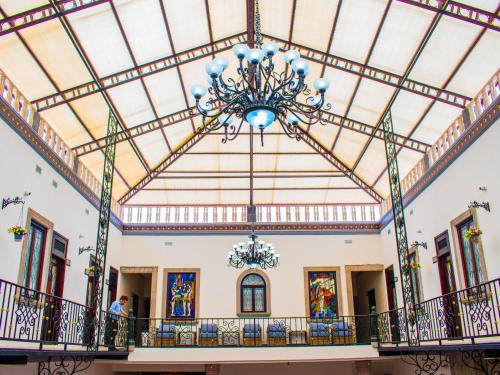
(15, 200)
(483, 188)
(82, 250)
(417, 244)
(475, 204)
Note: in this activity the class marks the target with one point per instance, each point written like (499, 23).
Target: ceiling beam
(44, 13)
(165, 163)
(332, 159)
(460, 11)
(245, 176)
(250, 33)
(132, 74)
(90, 68)
(375, 74)
(408, 69)
(186, 114)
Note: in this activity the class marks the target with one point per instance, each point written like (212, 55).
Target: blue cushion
(344, 332)
(318, 330)
(208, 328)
(341, 326)
(165, 335)
(167, 328)
(251, 328)
(208, 335)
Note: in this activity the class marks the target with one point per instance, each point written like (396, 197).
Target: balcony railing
(470, 315)
(473, 111)
(272, 331)
(46, 133)
(362, 213)
(30, 316)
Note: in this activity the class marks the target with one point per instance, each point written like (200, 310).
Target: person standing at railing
(116, 312)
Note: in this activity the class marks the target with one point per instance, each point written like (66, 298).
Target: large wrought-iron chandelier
(253, 253)
(259, 95)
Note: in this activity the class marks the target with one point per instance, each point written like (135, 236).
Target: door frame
(349, 269)
(153, 271)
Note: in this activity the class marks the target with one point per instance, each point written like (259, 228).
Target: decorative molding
(365, 228)
(18, 124)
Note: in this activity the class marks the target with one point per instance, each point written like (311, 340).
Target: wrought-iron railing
(468, 314)
(254, 331)
(28, 315)
(203, 214)
(47, 134)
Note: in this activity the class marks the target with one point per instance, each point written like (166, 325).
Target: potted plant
(18, 232)
(473, 234)
(415, 265)
(89, 271)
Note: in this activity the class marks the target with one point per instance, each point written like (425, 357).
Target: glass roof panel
(144, 28)
(275, 17)
(188, 23)
(356, 28)
(228, 17)
(132, 103)
(100, 36)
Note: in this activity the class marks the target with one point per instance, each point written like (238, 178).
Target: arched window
(253, 294)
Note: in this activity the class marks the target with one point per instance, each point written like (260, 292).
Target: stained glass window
(470, 255)
(34, 257)
(253, 293)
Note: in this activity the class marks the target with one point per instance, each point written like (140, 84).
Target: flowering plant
(415, 265)
(473, 232)
(17, 230)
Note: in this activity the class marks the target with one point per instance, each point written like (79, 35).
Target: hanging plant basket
(89, 271)
(18, 232)
(473, 234)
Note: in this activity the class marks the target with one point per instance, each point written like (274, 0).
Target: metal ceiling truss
(255, 188)
(186, 114)
(44, 13)
(408, 69)
(90, 68)
(332, 159)
(132, 74)
(460, 11)
(375, 74)
(168, 161)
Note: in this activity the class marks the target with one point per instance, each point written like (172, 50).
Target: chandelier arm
(267, 73)
(217, 92)
(286, 81)
(228, 86)
(231, 131)
(290, 130)
(300, 106)
(229, 105)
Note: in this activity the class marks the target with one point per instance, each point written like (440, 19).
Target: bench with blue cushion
(165, 335)
(276, 334)
(319, 334)
(208, 334)
(342, 332)
(252, 334)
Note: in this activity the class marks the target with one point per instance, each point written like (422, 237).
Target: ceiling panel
(100, 36)
(356, 28)
(132, 103)
(188, 23)
(228, 17)
(144, 28)
(275, 17)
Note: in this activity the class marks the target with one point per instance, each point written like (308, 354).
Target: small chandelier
(253, 254)
(259, 95)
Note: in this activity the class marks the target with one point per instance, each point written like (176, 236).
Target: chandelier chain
(258, 35)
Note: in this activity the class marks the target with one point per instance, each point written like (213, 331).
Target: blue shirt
(116, 308)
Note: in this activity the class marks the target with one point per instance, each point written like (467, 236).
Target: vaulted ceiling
(139, 58)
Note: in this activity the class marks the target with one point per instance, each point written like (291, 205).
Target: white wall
(446, 198)
(218, 281)
(64, 206)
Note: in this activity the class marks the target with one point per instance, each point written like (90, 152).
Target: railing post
(373, 326)
(131, 331)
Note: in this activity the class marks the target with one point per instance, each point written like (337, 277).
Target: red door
(450, 307)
